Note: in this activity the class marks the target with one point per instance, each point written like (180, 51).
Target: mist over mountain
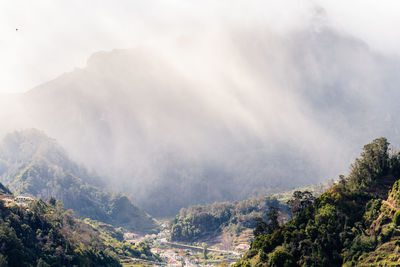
(32, 163)
(218, 116)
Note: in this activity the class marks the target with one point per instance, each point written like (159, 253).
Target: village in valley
(221, 251)
(182, 254)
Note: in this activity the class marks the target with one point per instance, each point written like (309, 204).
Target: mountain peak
(26, 144)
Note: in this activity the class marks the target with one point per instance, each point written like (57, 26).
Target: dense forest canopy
(44, 234)
(353, 223)
(196, 222)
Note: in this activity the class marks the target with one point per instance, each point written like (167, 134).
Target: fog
(39, 41)
(214, 104)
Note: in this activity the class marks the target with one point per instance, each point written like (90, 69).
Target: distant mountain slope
(355, 223)
(4, 190)
(207, 222)
(232, 218)
(32, 163)
(206, 120)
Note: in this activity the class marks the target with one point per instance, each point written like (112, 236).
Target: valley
(37, 232)
(356, 213)
(188, 254)
(227, 133)
(35, 166)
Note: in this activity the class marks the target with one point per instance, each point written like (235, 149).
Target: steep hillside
(355, 223)
(208, 222)
(385, 228)
(190, 131)
(230, 220)
(4, 190)
(42, 233)
(32, 163)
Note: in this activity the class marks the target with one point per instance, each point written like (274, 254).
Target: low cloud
(217, 110)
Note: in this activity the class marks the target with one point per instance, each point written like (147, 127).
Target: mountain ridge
(32, 163)
(38, 233)
(355, 223)
(193, 132)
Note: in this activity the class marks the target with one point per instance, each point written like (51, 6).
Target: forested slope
(42, 233)
(192, 133)
(356, 222)
(197, 222)
(32, 163)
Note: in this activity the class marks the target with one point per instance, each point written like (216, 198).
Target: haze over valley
(195, 122)
(249, 111)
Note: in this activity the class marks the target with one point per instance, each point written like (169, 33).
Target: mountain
(197, 222)
(219, 119)
(224, 224)
(4, 190)
(42, 233)
(233, 219)
(355, 223)
(32, 163)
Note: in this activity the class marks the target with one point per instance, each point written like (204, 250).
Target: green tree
(269, 226)
(42, 263)
(396, 218)
(273, 222)
(300, 200)
(205, 251)
(280, 257)
(52, 201)
(261, 227)
(3, 261)
(374, 163)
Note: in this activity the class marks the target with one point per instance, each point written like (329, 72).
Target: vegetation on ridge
(197, 222)
(44, 234)
(32, 163)
(354, 222)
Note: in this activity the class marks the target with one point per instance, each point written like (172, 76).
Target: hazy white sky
(56, 36)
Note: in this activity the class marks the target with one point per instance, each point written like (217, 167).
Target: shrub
(280, 257)
(396, 218)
